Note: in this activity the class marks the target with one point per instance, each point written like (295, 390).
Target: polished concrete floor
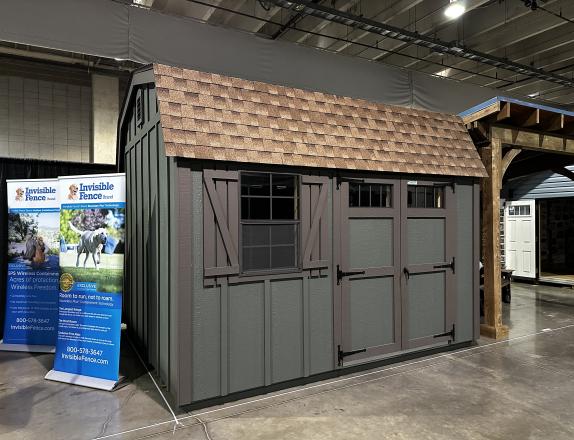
(522, 388)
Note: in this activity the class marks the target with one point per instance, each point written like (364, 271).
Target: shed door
(428, 259)
(396, 266)
(520, 235)
(369, 268)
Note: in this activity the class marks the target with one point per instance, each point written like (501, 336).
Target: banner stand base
(84, 381)
(27, 348)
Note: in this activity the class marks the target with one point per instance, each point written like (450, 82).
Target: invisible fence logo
(35, 194)
(91, 191)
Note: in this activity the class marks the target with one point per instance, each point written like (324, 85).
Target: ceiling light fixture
(455, 9)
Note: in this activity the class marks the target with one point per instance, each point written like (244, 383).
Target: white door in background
(520, 238)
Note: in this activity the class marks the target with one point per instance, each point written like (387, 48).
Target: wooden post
(492, 159)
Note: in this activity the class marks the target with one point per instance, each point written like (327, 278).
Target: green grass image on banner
(108, 278)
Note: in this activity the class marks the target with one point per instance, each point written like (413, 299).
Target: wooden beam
(531, 119)
(507, 159)
(480, 114)
(504, 112)
(492, 159)
(550, 121)
(534, 140)
(568, 128)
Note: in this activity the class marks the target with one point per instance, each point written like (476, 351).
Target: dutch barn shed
(277, 234)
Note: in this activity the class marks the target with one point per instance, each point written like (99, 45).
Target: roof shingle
(214, 117)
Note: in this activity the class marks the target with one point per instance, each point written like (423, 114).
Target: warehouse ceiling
(519, 46)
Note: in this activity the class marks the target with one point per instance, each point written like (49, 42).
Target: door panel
(520, 245)
(395, 277)
(426, 300)
(365, 235)
(428, 259)
(371, 312)
(431, 233)
(370, 275)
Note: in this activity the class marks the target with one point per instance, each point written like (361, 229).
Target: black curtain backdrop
(31, 169)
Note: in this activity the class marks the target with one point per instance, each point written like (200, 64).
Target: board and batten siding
(251, 333)
(543, 185)
(147, 305)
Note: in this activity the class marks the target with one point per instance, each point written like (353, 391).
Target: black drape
(31, 169)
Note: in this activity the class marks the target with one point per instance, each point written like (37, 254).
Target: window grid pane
(425, 196)
(370, 195)
(269, 221)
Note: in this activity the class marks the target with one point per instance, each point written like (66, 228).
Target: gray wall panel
(165, 293)
(464, 263)
(206, 311)
(246, 336)
(286, 329)
(320, 325)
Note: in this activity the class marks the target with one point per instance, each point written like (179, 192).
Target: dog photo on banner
(33, 268)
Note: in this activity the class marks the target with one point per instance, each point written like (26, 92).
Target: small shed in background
(277, 234)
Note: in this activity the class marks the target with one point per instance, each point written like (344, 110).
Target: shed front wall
(245, 333)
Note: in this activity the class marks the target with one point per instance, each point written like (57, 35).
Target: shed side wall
(148, 238)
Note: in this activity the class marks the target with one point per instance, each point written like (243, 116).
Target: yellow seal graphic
(66, 282)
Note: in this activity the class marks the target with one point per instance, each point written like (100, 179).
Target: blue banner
(33, 270)
(92, 237)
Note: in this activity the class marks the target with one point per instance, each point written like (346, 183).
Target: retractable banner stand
(92, 231)
(32, 282)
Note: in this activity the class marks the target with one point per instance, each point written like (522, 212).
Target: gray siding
(256, 333)
(148, 281)
(542, 185)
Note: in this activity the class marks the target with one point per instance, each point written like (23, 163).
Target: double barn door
(395, 277)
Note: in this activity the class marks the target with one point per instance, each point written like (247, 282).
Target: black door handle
(407, 273)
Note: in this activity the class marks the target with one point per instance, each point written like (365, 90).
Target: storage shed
(277, 234)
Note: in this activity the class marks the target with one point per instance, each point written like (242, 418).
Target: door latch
(446, 265)
(341, 274)
(343, 354)
(407, 273)
(449, 333)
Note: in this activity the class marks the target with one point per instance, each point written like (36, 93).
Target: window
(269, 221)
(425, 196)
(519, 210)
(370, 195)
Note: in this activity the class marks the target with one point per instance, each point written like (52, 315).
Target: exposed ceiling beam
(436, 45)
(513, 31)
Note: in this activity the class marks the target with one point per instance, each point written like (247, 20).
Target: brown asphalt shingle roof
(215, 117)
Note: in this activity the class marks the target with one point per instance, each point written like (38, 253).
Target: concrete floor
(517, 389)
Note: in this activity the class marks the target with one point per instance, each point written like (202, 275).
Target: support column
(105, 111)
(492, 159)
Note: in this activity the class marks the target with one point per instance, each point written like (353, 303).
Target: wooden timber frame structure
(502, 129)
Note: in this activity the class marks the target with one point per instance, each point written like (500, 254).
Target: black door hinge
(449, 333)
(343, 354)
(341, 179)
(341, 274)
(450, 265)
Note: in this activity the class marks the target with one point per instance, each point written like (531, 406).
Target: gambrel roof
(216, 117)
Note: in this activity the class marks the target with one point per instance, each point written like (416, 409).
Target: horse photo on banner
(33, 269)
(92, 242)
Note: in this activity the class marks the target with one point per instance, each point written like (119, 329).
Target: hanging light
(455, 9)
